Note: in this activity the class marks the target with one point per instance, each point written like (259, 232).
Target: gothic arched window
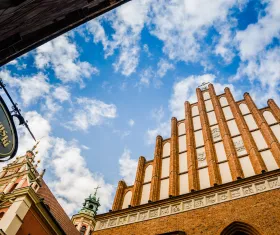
(83, 230)
(90, 207)
(239, 228)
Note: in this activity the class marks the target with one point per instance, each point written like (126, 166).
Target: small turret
(91, 204)
(85, 219)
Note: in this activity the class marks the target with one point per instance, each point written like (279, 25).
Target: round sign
(8, 133)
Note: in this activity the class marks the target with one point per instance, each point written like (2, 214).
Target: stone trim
(212, 198)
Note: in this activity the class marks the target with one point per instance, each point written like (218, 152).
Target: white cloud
(149, 76)
(74, 180)
(257, 36)
(131, 122)
(122, 133)
(96, 29)
(18, 64)
(128, 167)
(182, 25)
(162, 129)
(157, 114)
(61, 93)
(146, 77)
(41, 129)
(127, 22)
(107, 86)
(13, 62)
(85, 147)
(30, 88)
(147, 50)
(50, 107)
(62, 56)
(163, 66)
(260, 60)
(225, 47)
(185, 90)
(263, 71)
(90, 112)
(71, 180)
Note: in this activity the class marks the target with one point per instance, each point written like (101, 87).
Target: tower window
(1, 215)
(83, 230)
(90, 207)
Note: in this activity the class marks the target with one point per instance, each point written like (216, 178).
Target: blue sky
(98, 96)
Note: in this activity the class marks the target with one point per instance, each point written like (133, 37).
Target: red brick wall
(262, 211)
(33, 225)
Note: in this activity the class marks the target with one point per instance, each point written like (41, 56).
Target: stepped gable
(221, 144)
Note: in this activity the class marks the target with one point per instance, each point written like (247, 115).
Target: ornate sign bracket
(8, 132)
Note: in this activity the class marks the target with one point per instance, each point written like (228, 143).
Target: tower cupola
(85, 219)
(91, 204)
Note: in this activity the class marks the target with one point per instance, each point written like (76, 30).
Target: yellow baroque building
(218, 173)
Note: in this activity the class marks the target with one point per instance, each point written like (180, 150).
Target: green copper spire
(91, 204)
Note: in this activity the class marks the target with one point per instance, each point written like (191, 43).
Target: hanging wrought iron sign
(8, 132)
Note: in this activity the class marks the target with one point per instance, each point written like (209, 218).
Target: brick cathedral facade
(218, 173)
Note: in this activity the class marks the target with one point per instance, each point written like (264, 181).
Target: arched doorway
(239, 228)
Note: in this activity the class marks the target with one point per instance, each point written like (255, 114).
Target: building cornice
(191, 201)
(38, 205)
(81, 214)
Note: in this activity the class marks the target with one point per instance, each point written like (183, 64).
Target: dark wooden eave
(35, 22)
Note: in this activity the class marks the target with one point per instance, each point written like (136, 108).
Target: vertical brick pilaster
(138, 183)
(247, 138)
(234, 164)
(174, 159)
(118, 200)
(274, 108)
(155, 184)
(267, 133)
(191, 149)
(211, 157)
